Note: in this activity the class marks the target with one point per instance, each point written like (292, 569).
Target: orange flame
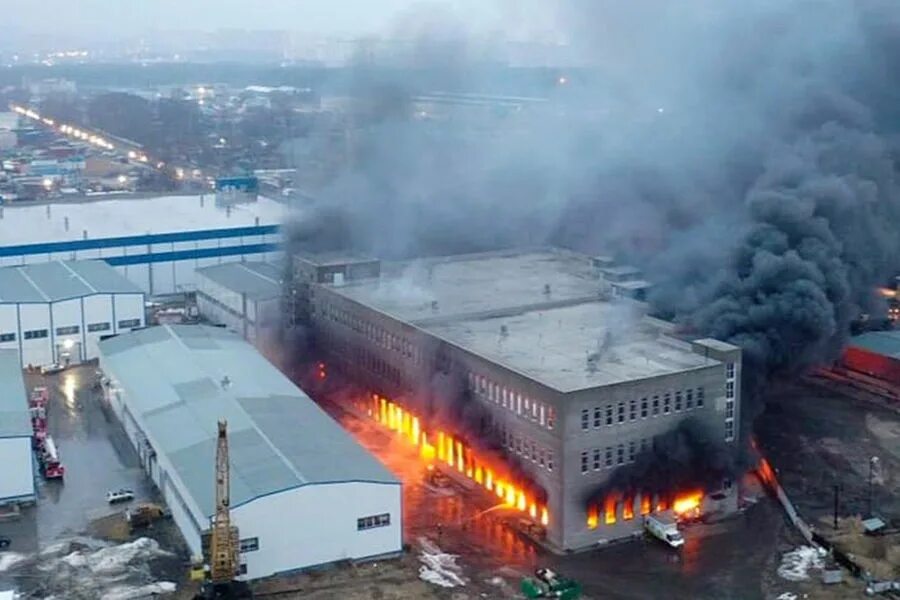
(687, 502)
(455, 454)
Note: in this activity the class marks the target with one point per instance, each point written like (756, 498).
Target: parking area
(73, 514)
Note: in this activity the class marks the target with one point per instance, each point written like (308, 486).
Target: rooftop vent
(546, 289)
(504, 331)
(434, 305)
(225, 383)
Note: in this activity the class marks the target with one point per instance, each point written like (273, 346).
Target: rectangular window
(688, 399)
(7, 337)
(655, 405)
(541, 460)
(620, 455)
(533, 452)
(584, 462)
(71, 330)
(644, 404)
(596, 459)
(667, 403)
(729, 431)
(35, 334)
(372, 522)
(729, 389)
(632, 410)
(543, 418)
(549, 460)
(621, 410)
(729, 370)
(632, 450)
(249, 545)
(729, 409)
(700, 397)
(609, 456)
(598, 417)
(678, 401)
(129, 323)
(551, 417)
(609, 414)
(99, 326)
(585, 419)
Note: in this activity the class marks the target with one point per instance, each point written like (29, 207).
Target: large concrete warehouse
(57, 312)
(575, 380)
(16, 459)
(303, 492)
(157, 243)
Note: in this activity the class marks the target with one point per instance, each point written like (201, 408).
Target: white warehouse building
(16, 460)
(245, 297)
(57, 312)
(156, 242)
(303, 492)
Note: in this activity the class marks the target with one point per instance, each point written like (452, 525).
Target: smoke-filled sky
(744, 154)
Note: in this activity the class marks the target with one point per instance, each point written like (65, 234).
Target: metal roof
(179, 380)
(124, 216)
(256, 280)
(14, 419)
(886, 343)
(61, 280)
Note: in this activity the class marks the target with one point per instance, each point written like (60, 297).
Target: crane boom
(223, 545)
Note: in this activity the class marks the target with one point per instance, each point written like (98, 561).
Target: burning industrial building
(535, 375)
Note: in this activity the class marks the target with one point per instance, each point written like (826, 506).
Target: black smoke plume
(687, 457)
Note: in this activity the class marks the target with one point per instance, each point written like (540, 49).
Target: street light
(873, 462)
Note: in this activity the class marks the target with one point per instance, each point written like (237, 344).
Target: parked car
(51, 369)
(121, 495)
(4, 542)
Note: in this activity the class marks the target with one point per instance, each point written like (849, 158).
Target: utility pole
(872, 464)
(837, 489)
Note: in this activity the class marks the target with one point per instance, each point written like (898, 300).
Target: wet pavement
(97, 457)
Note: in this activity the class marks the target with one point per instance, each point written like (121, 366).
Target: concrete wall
(318, 525)
(410, 365)
(17, 479)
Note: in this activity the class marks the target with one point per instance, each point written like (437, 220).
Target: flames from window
(442, 447)
(615, 506)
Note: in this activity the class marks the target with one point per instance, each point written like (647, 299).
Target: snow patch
(438, 567)
(787, 596)
(126, 592)
(8, 560)
(796, 564)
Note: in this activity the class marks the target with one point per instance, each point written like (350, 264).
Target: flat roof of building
(123, 216)
(61, 280)
(326, 259)
(476, 284)
(14, 417)
(179, 380)
(256, 280)
(886, 343)
(574, 347)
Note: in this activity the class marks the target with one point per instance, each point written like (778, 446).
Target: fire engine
(43, 444)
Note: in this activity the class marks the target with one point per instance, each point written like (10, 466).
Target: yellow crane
(224, 539)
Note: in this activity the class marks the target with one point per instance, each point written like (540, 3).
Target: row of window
(525, 407)
(615, 414)
(611, 456)
(527, 449)
(364, 523)
(249, 545)
(37, 334)
(729, 401)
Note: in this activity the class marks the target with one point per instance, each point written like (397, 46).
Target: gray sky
(354, 17)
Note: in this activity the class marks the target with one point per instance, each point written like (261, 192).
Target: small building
(876, 354)
(303, 492)
(17, 480)
(57, 312)
(243, 296)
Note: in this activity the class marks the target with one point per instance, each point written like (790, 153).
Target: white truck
(665, 529)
